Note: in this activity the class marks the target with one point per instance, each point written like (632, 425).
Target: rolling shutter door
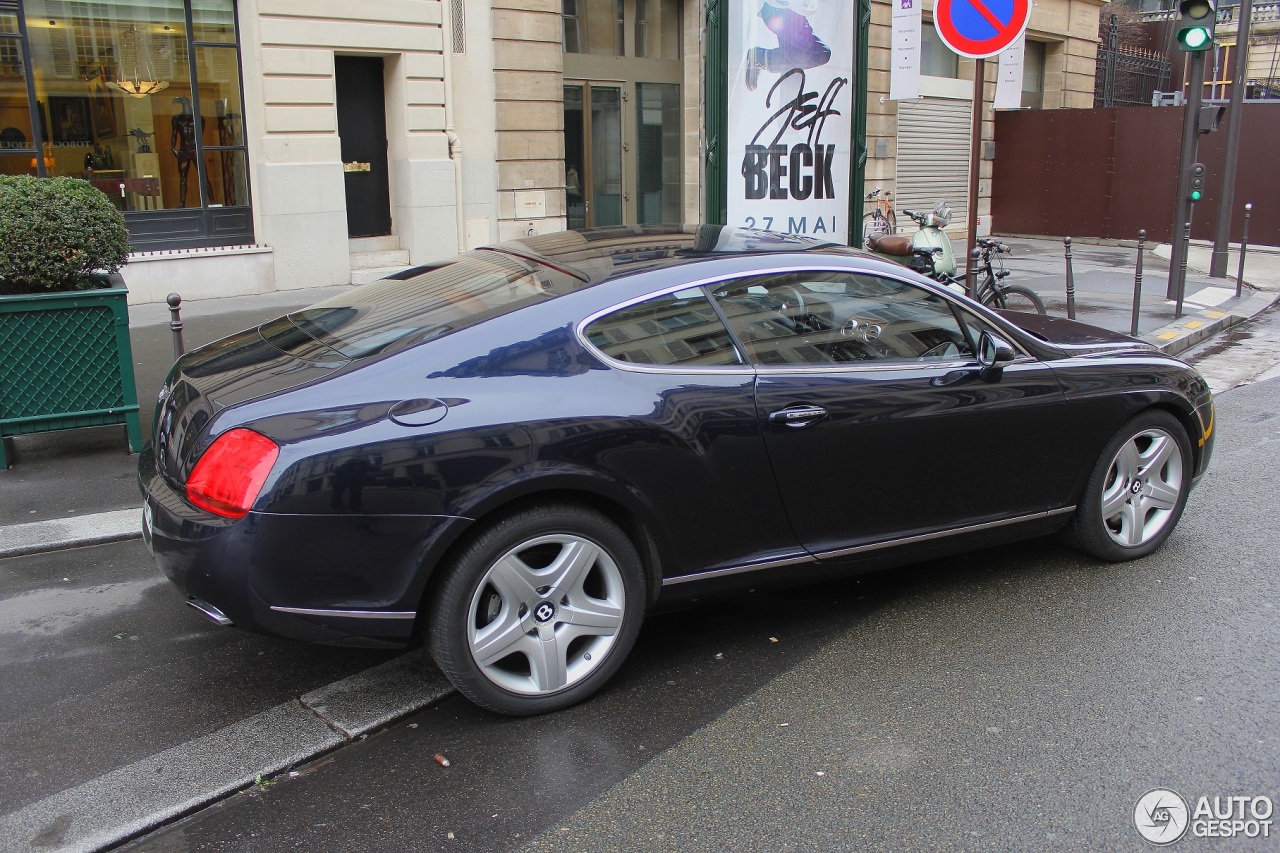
(933, 158)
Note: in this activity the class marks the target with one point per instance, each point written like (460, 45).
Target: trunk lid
(273, 357)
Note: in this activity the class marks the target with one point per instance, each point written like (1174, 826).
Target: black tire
(549, 645)
(1015, 297)
(1151, 453)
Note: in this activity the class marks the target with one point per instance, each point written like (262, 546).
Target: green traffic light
(1194, 38)
(1195, 195)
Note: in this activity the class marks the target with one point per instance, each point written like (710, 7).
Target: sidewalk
(76, 488)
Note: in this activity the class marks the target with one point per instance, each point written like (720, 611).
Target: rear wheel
(539, 610)
(874, 224)
(1137, 490)
(1015, 297)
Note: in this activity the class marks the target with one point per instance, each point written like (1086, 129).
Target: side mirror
(994, 352)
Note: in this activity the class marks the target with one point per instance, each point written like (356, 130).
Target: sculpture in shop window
(183, 144)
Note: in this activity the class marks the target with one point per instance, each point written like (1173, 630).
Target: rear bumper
(341, 579)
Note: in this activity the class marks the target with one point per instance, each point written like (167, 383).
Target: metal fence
(1127, 76)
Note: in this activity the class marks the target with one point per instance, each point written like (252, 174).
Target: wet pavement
(104, 671)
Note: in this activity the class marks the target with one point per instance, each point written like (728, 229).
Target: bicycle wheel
(874, 225)
(1015, 297)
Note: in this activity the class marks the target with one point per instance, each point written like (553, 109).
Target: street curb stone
(132, 800)
(1180, 336)
(38, 537)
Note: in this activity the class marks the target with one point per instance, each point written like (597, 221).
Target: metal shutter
(933, 158)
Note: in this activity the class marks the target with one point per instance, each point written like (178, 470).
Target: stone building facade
(285, 144)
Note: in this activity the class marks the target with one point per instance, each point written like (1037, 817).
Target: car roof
(594, 255)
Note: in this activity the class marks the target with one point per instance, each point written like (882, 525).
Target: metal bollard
(175, 324)
(975, 259)
(1071, 282)
(1182, 277)
(1244, 246)
(1137, 284)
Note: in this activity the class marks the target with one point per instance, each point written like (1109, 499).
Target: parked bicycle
(881, 220)
(993, 292)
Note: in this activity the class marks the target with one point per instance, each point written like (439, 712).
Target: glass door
(622, 112)
(593, 152)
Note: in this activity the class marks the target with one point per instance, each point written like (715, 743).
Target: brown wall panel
(1110, 172)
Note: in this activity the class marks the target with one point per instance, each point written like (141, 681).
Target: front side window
(678, 329)
(840, 318)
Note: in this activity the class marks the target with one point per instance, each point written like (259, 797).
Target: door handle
(797, 416)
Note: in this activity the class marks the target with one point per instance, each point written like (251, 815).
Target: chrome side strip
(735, 570)
(942, 534)
(874, 546)
(348, 614)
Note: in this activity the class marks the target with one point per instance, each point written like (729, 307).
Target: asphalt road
(1020, 698)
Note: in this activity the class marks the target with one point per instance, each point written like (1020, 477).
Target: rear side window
(395, 313)
(677, 329)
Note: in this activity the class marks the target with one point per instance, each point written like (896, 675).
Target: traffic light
(1197, 182)
(1195, 27)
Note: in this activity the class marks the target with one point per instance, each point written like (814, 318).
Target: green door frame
(716, 112)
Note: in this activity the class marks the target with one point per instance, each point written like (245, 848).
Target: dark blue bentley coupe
(514, 454)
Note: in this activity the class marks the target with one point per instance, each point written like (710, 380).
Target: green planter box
(66, 362)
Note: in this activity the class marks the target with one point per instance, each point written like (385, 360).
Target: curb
(1180, 336)
(38, 537)
(130, 801)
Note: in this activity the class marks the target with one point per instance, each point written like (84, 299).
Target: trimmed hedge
(56, 232)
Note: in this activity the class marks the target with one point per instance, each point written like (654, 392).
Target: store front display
(142, 101)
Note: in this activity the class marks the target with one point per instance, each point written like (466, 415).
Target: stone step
(384, 258)
(373, 244)
(364, 276)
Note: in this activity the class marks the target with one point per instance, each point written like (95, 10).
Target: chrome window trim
(347, 614)
(860, 549)
(748, 369)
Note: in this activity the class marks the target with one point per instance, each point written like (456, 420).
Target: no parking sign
(980, 28)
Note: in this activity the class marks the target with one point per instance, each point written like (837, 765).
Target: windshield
(394, 313)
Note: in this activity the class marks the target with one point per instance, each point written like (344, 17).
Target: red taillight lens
(227, 479)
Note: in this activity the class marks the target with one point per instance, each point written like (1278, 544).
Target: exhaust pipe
(209, 610)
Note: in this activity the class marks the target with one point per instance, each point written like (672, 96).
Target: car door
(877, 423)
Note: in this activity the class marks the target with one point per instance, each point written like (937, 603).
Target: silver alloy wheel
(1142, 487)
(545, 614)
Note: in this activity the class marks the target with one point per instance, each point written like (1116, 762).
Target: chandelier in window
(136, 73)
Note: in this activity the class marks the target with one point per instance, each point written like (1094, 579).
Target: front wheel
(538, 610)
(1015, 297)
(1137, 490)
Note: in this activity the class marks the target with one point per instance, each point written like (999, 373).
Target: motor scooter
(928, 251)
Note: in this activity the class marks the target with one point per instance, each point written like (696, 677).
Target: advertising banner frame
(792, 151)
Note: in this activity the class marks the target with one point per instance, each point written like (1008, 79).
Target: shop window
(1033, 75)
(936, 59)
(146, 108)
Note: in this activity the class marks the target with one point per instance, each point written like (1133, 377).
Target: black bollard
(975, 270)
(1182, 278)
(1071, 282)
(1137, 284)
(175, 324)
(1244, 246)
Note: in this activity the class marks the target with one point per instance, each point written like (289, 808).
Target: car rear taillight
(227, 479)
